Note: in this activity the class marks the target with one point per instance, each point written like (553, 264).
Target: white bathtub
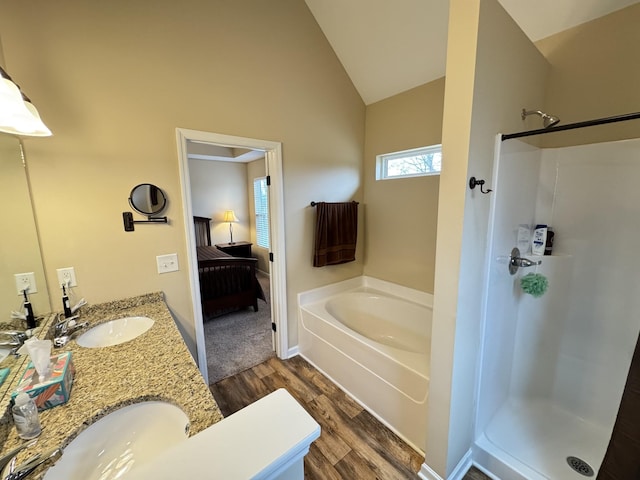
(373, 339)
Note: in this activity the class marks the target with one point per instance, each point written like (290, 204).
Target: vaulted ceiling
(388, 47)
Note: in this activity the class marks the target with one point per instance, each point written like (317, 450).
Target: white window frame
(256, 182)
(382, 162)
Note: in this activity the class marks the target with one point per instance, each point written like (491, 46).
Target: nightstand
(236, 249)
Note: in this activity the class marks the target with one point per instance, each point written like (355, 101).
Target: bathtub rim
(383, 286)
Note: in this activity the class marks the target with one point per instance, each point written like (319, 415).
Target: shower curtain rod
(571, 126)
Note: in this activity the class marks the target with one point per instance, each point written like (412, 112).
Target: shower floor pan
(541, 436)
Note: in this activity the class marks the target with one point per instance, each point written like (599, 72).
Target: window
(261, 202)
(417, 162)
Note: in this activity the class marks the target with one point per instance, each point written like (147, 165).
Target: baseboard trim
(427, 473)
(462, 468)
(485, 471)
(292, 352)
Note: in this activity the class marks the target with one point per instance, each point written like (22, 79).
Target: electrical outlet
(26, 281)
(167, 263)
(67, 276)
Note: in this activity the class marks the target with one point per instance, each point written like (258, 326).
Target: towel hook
(480, 183)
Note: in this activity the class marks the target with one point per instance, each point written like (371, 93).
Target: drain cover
(580, 466)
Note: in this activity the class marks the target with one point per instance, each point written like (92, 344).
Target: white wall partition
(554, 367)
(515, 179)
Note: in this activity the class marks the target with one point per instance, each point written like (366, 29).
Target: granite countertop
(154, 366)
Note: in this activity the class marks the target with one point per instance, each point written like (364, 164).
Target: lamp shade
(17, 116)
(230, 216)
(38, 126)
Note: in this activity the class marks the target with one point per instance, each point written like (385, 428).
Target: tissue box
(56, 388)
(3, 375)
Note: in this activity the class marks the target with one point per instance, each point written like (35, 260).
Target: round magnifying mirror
(147, 199)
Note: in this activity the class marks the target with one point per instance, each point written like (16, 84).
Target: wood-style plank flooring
(352, 445)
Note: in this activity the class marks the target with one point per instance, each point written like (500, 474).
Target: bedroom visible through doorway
(237, 290)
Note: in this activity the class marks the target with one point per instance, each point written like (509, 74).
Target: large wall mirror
(19, 247)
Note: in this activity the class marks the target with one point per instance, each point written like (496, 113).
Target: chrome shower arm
(547, 120)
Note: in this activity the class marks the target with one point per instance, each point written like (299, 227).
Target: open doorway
(210, 146)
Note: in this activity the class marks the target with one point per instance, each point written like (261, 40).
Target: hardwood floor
(352, 445)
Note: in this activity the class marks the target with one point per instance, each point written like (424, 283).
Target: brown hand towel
(336, 233)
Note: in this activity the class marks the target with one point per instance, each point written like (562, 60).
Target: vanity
(268, 439)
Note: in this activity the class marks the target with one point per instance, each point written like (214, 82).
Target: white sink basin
(130, 436)
(115, 332)
(4, 353)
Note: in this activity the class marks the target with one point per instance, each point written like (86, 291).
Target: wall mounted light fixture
(18, 116)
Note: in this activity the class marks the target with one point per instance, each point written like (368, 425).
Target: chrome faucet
(7, 457)
(64, 328)
(15, 341)
(17, 337)
(11, 472)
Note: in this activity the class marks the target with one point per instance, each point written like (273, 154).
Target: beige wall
(256, 169)
(595, 73)
(218, 186)
(401, 214)
(492, 71)
(19, 248)
(113, 81)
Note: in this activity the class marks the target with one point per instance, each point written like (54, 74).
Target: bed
(227, 283)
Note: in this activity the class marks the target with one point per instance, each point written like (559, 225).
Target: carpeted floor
(239, 340)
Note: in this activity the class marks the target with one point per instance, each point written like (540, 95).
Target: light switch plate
(167, 263)
(24, 280)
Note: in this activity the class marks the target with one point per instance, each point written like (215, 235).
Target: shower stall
(554, 368)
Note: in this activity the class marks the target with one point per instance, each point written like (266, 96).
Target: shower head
(547, 120)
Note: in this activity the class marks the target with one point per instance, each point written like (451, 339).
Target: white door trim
(273, 157)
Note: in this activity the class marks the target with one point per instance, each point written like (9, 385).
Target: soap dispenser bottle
(25, 416)
(28, 311)
(66, 305)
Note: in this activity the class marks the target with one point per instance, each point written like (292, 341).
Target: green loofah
(534, 284)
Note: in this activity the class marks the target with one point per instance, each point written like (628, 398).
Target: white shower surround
(382, 358)
(553, 368)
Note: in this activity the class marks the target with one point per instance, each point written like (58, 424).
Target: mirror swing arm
(148, 200)
(127, 218)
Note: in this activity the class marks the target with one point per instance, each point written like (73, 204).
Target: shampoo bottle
(523, 239)
(548, 248)
(28, 311)
(539, 240)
